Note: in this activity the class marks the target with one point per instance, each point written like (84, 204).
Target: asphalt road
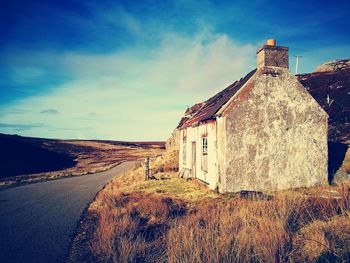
(38, 221)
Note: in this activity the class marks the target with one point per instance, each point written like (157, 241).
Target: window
(204, 159)
(204, 145)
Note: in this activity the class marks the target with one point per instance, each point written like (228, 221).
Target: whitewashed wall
(194, 134)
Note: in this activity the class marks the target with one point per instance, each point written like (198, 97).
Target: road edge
(85, 228)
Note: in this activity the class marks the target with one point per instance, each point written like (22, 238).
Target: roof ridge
(212, 105)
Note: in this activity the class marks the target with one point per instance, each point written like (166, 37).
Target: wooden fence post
(147, 168)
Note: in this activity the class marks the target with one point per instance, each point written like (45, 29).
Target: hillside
(20, 157)
(24, 159)
(330, 86)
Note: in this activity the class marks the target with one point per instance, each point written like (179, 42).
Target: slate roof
(211, 106)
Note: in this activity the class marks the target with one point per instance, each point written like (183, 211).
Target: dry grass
(168, 162)
(346, 163)
(173, 220)
(259, 231)
(176, 188)
(324, 240)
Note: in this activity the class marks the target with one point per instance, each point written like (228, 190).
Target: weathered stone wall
(173, 142)
(274, 56)
(275, 136)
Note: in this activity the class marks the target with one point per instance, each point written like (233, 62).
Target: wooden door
(193, 159)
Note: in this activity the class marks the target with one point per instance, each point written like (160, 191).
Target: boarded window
(184, 143)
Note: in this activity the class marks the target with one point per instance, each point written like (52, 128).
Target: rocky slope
(334, 65)
(330, 86)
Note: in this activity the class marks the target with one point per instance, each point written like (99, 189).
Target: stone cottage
(173, 142)
(263, 132)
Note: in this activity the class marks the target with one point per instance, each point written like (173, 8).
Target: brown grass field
(89, 156)
(173, 220)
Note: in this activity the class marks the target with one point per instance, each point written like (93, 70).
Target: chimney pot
(271, 42)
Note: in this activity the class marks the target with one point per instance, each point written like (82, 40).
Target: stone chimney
(270, 55)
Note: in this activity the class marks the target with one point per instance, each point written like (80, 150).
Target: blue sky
(127, 70)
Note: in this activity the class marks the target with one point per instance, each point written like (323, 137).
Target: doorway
(193, 160)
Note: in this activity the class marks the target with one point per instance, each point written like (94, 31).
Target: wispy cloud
(50, 111)
(127, 96)
(16, 111)
(120, 17)
(19, 127)
(26, 74)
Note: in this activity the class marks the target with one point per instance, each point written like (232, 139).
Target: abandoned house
(263, 132)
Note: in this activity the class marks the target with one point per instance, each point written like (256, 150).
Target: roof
(211, 106)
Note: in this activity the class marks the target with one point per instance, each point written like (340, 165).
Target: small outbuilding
(263, 132)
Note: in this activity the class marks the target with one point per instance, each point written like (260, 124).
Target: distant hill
(20, 156)
(330, 86)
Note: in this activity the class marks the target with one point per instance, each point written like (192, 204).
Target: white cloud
(135, 95)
